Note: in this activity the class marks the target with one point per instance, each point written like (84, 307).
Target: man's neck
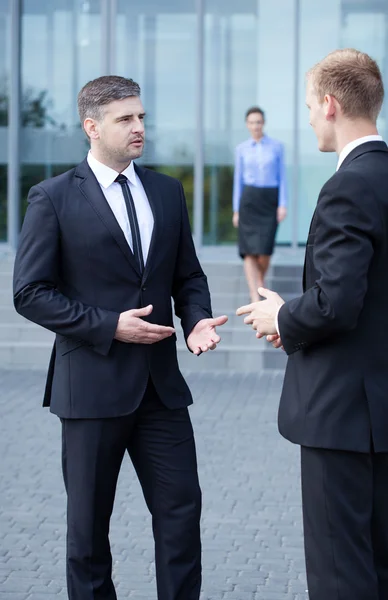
(109, 161)
(354, 132)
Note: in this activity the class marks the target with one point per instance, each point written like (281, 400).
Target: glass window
(314, 167)
(249, 57)
(248, 62)
(276, 84)
(156, 46)
(64, 39)
(4, 81)
(365, 27)
(362, 25)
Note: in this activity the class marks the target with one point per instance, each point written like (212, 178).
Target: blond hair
(354, 79)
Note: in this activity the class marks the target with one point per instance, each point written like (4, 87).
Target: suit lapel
(156, 204)
(91, 190)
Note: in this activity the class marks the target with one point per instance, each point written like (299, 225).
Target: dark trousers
(160, 443)
(345, 516)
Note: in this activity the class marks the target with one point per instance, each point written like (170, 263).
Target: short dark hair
(101, 91)
(253, 110)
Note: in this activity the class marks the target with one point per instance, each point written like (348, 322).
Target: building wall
(201, 64)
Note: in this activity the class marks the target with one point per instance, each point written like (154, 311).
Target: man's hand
(235, 219)
(281, 213)
(262, 315)
(275, 340)
(132, 329)
(204, 336)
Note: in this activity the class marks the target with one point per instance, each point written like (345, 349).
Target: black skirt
(257, 220)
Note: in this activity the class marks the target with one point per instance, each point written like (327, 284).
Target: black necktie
(129, 203)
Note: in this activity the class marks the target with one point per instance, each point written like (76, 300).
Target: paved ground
(252, 542)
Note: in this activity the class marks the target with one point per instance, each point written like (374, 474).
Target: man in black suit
(335, 395)
(103, 249)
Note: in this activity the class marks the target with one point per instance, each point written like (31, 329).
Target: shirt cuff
(277, 320)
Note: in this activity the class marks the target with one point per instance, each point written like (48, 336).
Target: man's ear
(91, 129)
(330, 106)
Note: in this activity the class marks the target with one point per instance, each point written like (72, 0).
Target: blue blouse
(260, 164)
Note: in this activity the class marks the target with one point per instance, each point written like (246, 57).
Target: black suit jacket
(75, 273)
(335, 392)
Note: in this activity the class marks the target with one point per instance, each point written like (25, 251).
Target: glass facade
(201, 64)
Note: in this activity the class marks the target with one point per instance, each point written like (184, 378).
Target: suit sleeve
(190, 289)
(36, 279)
(348, 226)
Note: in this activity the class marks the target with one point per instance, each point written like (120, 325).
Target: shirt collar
(354, 144)
(130, 173)
(254, 143)
(105, 175)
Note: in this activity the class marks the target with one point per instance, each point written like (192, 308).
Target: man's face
(121, 131)
(320, 120)
(255, 124)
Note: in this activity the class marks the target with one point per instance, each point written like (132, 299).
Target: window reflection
(247, 61)
(155, 45)
(61, 44)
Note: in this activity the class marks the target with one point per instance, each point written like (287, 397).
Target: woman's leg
(262, 264)
(252, 275)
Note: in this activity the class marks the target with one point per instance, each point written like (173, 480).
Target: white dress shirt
(114, 196)
(343, 154)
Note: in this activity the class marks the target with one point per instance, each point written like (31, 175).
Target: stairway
(26, 345)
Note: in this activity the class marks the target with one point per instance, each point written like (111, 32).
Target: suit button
(143, 288)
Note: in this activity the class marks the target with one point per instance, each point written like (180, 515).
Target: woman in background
(259, 198)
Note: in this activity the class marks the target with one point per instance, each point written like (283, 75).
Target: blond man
(335, 395)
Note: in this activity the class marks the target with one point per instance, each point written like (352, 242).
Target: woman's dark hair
(253, 110)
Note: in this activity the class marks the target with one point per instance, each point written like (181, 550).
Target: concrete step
(234, 358)
(26, 345)
(280, 285)
(217, 285)
(246, 358)
(25, 355)
(221, 301)
(235, 269)
(241, 335)
(230, 302)
(24, 332)
(11, 317)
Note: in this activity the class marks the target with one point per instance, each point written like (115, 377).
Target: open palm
(204, 336)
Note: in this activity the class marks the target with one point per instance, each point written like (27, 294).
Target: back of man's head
(354, 79)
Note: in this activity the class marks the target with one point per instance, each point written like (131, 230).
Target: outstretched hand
(132, 329)
(204, 336)
(262, 315)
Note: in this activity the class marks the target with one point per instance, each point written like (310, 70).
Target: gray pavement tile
(251, 526)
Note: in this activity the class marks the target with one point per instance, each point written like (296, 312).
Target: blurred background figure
(259, 198)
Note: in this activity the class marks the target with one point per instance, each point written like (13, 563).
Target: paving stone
(251, 525)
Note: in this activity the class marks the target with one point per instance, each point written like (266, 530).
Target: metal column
(295, 161)
(108, 38)
(199, 134)
(13, 195)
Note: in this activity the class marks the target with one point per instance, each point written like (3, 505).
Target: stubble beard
(123, 157)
